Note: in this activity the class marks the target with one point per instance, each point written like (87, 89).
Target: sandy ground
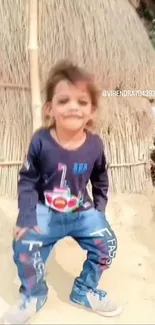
(131, 278)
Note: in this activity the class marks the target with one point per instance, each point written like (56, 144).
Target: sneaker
(98, 301)
(24, 310)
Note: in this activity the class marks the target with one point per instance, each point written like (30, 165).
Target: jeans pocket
(44, 216)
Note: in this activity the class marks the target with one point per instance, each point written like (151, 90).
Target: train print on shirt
(61, 198)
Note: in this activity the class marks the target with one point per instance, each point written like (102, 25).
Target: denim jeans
(89, 228)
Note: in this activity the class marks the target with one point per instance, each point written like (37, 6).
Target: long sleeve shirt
(58, 177)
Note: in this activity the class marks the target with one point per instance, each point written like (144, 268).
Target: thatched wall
(109, 39)
(15, 110)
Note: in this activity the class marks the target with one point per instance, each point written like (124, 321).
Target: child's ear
(47, 113)
(94, 114)
(47, 110)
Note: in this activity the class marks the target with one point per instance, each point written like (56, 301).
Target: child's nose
(74, 106)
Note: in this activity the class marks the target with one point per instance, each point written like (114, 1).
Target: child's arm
(100, 182)
(27, 192)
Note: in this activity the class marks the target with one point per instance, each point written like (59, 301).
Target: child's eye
(63, 101)
(83, 102)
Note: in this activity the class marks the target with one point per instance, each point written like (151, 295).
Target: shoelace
(100, 293)
(24, 303)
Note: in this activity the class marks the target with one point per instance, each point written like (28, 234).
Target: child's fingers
(37, 229)
(15, 232)
(20, 233)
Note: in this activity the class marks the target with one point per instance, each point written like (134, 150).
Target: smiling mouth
(73, 116)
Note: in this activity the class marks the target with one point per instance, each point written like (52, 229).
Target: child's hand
(18, 232)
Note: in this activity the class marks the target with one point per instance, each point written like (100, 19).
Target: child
(54, 202)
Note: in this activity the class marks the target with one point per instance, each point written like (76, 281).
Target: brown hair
(65, 70)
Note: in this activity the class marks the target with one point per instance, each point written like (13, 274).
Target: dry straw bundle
(127, 149)
(15, 112)
(108, 38)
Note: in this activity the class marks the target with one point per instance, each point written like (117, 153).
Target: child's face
(71, 106)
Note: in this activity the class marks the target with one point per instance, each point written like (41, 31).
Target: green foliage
(147, 12)
(152, 34)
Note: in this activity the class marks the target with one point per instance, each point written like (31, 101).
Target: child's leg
(94, 234)
(30, 256)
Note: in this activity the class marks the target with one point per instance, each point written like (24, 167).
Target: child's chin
(73, 126)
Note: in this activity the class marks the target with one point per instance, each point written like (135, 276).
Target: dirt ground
(131, 278)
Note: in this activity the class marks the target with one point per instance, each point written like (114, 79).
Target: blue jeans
(90, 229)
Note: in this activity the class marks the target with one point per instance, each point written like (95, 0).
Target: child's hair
(65, 70)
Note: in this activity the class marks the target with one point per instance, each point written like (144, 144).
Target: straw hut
(105, 36)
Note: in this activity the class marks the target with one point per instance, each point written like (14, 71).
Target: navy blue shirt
(58, 177)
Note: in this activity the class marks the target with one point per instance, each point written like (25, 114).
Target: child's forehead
(82, 85)
(65, 86)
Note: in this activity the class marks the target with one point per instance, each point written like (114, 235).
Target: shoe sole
(32, 317)
(114, 313)
(29, 320)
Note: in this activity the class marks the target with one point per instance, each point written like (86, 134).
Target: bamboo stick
(9, 163)
(34, 65)
(14, 86)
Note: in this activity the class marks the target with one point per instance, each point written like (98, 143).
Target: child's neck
(69, 140)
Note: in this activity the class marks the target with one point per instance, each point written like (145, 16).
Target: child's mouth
(73, 116)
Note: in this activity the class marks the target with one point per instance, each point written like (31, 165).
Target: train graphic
(60, 198)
